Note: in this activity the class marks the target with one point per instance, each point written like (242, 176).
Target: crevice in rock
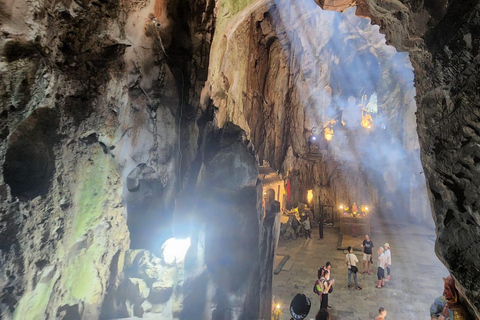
(15, 50)
(148, 217)
(30, 162)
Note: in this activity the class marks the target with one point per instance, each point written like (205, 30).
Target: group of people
(305, 225)
(384, 261)
(324, 284)
(446, 307)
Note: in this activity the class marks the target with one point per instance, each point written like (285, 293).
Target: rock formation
(121, 119)
(290, 84)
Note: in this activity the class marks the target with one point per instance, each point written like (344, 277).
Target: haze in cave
(205, 159)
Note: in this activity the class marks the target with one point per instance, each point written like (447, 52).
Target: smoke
(346, 66)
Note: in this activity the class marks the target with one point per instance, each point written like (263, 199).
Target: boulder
(136, 290)
(160, 292)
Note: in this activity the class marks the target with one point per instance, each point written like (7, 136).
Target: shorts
(380, 273)
(388, 270)
(366, 257)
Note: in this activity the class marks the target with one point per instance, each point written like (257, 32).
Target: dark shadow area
(149, 218)
(30, 162)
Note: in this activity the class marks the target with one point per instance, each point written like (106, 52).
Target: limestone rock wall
(89, 92)
(100, 131)
(61, 208)
(282, 83)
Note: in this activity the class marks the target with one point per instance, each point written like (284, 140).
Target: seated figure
(448, 307)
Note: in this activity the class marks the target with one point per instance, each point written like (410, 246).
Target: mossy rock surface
(93, 192)
(34, 303)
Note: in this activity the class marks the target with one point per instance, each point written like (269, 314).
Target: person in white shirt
(351, 261)
(307, 227)
(388, 259)
(381, 268)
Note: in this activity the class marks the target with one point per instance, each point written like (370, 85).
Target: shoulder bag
(353, 268)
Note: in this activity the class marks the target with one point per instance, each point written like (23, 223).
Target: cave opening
(355, 167)
(149, 219)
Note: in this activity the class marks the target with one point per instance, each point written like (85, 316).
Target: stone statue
(354, 208)
(448, 306)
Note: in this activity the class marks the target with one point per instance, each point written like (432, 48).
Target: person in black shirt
(320, 226)
(367, 252)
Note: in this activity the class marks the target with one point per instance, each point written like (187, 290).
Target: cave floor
(416, 273)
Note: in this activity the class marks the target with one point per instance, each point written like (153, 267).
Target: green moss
(233, 7)
(221, 94)
(92, 192)
(81, 277)
(228, 9)
(90, 204)
(34, 303)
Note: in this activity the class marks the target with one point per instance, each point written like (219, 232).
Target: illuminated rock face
(282, 83)
(90, 91)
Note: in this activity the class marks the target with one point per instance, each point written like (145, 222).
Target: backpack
(315, 288)
(320, 272)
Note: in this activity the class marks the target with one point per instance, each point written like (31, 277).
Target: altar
(354, 225)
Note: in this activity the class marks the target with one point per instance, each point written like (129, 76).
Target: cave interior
(154, 154)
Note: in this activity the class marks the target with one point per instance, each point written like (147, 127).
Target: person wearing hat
(449, 306)
(300, 307)
(388, 259)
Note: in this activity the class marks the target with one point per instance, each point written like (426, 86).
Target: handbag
(315, 288)
(353, 268)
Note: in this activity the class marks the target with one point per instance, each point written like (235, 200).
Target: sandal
(378, 287)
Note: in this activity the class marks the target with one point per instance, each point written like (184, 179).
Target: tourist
(295, 225)
(388, 258)
(351, 261)
(308, 230)
(327, 286)
(382, 313)
(320, 226)
(300, 306)
(322, 315)
(367, 253)
(381, 262)
(321, 271)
